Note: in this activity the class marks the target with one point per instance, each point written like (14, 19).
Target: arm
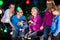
(58, 27)
(54, 24)
(23, 20)
(53, 27)
(44, 18)
(42, 27)
(13, 23)
(30, 27)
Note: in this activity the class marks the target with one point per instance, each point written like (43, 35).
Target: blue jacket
(55, 28)
(15, 21)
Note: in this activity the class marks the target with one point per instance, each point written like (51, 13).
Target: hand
(31, 21)
(13, 28)
(2, 20)
(41, 28)
(30, 32)
(23, 30)
(20, 23)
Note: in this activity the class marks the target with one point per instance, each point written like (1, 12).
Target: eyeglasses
(20, 12)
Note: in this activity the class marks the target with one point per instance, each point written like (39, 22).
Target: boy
(19, 24)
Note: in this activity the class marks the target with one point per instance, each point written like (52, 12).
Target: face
(20, 13)
(34, 11)
(55, 12)
(49, 4)
(12, 7)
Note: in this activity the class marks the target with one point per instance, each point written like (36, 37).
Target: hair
(11, 4)
(53, 5)
(57, 7)
(36, 9)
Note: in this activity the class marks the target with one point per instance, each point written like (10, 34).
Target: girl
(48, 19)
(35, 23)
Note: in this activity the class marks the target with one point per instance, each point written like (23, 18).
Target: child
(47, 22)
(35, 23)
(55, 28)
(19, 24)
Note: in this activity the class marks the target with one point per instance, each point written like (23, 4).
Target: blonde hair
(36, 9)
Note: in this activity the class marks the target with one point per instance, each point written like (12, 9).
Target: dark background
(41, 4)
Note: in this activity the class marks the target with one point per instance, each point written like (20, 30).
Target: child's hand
(23, 30)
(20, 23)
(31, 21)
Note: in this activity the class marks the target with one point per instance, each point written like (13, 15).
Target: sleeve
(30, 28)
(14, 22)
(44, 18)
(53, 27)
(58, 27)
(7, 15)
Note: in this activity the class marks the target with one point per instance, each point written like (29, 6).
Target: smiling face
(34, 11)
(57, 11)
(20, 13)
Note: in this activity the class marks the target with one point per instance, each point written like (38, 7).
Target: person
(8, 14)
(47, 22)
(34, 24)
(19, 23)
(55, 29)
(6, 23)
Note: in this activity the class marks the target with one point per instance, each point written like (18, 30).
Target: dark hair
(11, 4)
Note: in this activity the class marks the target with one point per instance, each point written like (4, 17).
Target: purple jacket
(37, 23)
(48, 18)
